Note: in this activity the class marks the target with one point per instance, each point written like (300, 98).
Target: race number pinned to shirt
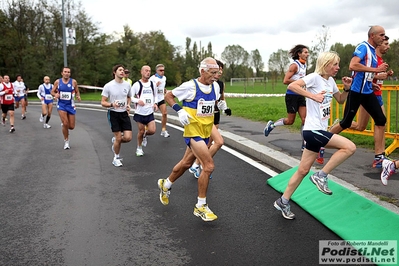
(325, 110)
(148, 98)
(8, 97)
(205, 108)
(369, 76)
(65, 95)
(120, 104)
(48, 97)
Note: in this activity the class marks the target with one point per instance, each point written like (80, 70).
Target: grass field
(264, 109)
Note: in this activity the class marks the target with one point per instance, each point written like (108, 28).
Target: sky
(267, 26)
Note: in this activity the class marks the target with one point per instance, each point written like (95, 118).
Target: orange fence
(390, 95)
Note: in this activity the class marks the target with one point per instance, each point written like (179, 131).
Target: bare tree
(319, 45)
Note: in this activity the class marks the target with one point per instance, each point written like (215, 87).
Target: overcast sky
(263, 25)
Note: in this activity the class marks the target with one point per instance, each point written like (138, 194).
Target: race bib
(325, 109)
(118, 104)
(380, 81)
(148, 99)
(48, 97)
(205, 108)
(65, 95)
(369, 76)
(8, 97)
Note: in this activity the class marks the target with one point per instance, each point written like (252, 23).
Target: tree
(345, 54)
(257, 63)
(278, 62)
(234, 56)
(320, 45)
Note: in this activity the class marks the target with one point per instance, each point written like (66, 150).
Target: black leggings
(370, 104)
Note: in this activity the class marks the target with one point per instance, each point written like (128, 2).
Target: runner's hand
(184, 117)
(222, 105)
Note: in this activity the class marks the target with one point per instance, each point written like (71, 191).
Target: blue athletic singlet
(48, 98)
(362, 81)
(65, 101)
(201, 110)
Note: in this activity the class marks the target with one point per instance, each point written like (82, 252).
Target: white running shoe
(41, 119)
(117, 162)
(165, 134)
(388, 169)
(66, 145)
(112, 147)
(145, 141)
(139, 152)
(46, 126)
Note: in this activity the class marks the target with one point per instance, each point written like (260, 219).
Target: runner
(65, 89)
(44, 95)
(145, 99)
(216, 140)
(364, 65)
(320, 89)
(294, 102)
(198, 97)
(7, 104)
(19, 90)
(159, 80)
(116, 96)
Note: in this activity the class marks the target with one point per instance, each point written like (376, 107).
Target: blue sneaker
(195, 170)
(268, 128)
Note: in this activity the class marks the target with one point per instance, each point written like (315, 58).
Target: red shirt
(8, 98)
(378, 81)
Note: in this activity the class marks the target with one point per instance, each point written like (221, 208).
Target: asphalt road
(73, 207)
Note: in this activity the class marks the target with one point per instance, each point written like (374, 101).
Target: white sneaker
(165, 133)
(66, 145)
(41, 119)
(145, 141)
(117, 162)
(112, 147)
(139, 152)
(46, 126)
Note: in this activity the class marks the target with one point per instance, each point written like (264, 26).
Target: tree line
(31, 45)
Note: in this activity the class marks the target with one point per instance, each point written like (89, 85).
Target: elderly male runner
(198, 97)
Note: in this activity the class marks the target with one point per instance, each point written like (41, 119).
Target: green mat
(349, 215)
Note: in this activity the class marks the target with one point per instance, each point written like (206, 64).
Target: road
(72, 207)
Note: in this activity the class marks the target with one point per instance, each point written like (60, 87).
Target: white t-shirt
(186, 91)
(148, 96)
(161, 88)
(19, 88)
(318, 114)
(117, 93)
